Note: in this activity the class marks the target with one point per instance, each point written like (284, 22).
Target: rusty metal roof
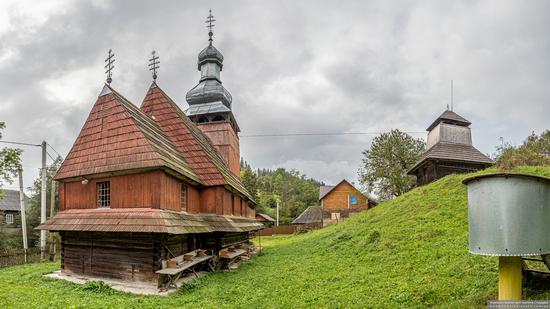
(146, 220)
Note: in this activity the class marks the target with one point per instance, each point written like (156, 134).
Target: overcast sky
(291, 66)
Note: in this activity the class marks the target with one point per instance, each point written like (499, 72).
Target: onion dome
(210, 54)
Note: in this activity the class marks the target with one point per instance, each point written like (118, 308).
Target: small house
(266, 220)
(343, 199)
(449, 150)
(311, 217)
(10, 208)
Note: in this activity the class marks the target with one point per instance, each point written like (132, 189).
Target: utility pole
(52, 210)
(23, 214)
(277, 212)
(43, 201)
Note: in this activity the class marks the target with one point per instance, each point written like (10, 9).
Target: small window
(353, 200)
(9, 218)
(103, 194)
(183, 198)
(218, 118)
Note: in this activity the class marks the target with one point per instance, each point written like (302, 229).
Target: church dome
(210, 54)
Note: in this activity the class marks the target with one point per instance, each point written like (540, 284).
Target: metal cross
(109, 66)
(210, 21)
(154, 64)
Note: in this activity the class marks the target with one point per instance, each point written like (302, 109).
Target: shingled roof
(116, 137)
(311, 214)
(146, 220)
(452, 152)
(193, 144)
(9, 200)
(449, 117)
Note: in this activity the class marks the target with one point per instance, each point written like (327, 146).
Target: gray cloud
(305, 66)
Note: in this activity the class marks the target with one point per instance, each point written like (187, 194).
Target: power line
(321, 134)
(19, 143)
(49, 145)
(49, 155)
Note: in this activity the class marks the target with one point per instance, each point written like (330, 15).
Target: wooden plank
(232, 255)
(184, 265)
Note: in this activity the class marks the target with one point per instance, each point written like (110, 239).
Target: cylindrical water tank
(509, 214)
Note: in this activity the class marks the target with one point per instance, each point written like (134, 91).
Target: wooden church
(143, 185)
(449, 150)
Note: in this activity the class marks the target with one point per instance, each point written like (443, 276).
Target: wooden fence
(17, 257)
(278, 230)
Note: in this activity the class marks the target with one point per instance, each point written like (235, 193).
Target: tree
(33, 210)
(10, 161)
(385, 164)
(534, 151)
(250, 181)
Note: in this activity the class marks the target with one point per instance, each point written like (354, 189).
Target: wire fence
(33, 255)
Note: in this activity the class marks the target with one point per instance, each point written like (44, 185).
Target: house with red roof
(144, 185)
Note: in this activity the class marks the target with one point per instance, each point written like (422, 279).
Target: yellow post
(509, 277)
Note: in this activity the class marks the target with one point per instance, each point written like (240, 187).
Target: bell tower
(210, 105)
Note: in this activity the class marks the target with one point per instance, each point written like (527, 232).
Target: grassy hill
(408, 252)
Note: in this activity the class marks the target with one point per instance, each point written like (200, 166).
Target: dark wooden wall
(433, 170)
(126, 256)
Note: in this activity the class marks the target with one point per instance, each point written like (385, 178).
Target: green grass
(411, 252)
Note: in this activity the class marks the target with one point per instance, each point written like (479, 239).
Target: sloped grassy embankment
(408, 252)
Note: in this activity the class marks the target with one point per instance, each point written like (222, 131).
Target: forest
(292, 190)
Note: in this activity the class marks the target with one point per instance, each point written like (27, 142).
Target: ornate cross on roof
(154, 64)
(210, 21)
(109, 66)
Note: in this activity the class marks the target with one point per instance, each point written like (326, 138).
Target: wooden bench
(183, 266)
(232, 255)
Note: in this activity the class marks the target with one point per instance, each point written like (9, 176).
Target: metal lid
(505, 175)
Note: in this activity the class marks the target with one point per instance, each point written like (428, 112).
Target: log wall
(125, 256)
(433, 170)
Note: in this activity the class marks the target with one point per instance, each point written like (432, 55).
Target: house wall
(153, 190)
(126, 256)
(226, 141)
(433, 170)
(338, 197)
(127, 191)
(16, 218)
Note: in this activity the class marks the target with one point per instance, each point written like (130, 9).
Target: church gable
(194, 145)
(171, 120)
(118, 137)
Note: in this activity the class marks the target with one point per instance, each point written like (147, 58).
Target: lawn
(411, 252)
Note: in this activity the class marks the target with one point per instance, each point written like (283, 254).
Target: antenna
(452, 95)
(210, 24)
(154, 64)
(110, 66)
